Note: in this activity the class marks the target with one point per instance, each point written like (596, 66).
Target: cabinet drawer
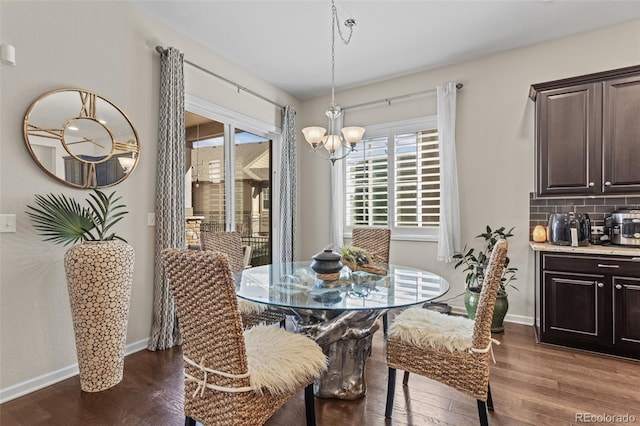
(609, 265)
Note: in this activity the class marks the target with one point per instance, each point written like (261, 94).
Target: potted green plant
(474, 263)
(359, 259)
(355, 256)
(99, 274)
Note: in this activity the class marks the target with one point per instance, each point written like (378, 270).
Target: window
(393, 180)
(265, 199)
(215, 175)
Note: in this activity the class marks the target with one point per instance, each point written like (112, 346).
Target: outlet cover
(7, 223)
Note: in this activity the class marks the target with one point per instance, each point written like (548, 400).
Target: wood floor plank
(532, 384)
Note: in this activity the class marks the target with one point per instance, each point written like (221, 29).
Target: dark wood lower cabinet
(574, 307)
(590, 302)
(626, 313)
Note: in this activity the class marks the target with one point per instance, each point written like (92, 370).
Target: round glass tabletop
(294, 285)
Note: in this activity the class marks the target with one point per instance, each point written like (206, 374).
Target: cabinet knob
(591, 184)
(607, 184)
(618, 286)
(600, 285)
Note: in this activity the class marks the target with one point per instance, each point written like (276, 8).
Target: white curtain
(170, 207)
(449, 235)
(336, 200)
(287, 225)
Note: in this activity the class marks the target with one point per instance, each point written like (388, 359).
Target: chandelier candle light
(350, 135)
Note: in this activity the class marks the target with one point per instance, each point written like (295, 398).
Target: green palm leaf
(60, 219)
(105, 214)
(64, 221)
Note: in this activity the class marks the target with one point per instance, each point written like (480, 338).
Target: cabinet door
(621, 135)
(626, 297)
(575, 308)
(568, 134)
(72, 170)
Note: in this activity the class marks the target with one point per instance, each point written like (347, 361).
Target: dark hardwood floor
(531, 384)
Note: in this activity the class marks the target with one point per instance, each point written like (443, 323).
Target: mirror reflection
(87, 139)
(81, 139)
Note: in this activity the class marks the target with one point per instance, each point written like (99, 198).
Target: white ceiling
(288, 43)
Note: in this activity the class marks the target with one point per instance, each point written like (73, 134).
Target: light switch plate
(7, 223)
(151, 219)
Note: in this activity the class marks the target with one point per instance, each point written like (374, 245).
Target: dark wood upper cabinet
(621, 135)
(568, 128)
(588, 134)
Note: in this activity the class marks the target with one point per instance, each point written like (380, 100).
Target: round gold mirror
(81, 138)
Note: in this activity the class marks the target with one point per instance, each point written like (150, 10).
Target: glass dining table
(339, 315)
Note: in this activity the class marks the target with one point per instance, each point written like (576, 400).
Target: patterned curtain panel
(287, 225)
(449, 231)
(170, 208)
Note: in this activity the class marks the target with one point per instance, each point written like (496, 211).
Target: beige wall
(495, 144)
(107, 47)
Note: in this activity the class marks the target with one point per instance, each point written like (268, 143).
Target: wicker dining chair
(230, 243)
(376, 241)
(452, 350)
(233, 377)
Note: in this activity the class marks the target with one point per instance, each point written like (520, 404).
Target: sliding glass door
(252, 189)
(229, 182)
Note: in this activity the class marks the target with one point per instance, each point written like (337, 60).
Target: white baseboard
(517, 319)
(48, 379)
(134, 347)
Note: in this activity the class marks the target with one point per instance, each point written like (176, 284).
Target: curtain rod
(396, 98)
(161, 50)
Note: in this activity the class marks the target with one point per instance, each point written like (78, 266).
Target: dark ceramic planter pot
(471, 299)
(327, 262)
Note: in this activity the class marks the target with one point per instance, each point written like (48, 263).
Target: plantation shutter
(417, 179)
(367, 183)
(392, 180)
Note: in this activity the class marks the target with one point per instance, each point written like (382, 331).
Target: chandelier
(338, 142)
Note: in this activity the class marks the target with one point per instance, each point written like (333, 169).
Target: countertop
(590, 249)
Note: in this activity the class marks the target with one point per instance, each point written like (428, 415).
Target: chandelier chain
(349, 23)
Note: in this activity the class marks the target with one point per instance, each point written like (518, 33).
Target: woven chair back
(229, 243)
(487, 302)
(210, 324)
(374, 240)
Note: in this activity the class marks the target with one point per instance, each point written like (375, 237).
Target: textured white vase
(99, 278)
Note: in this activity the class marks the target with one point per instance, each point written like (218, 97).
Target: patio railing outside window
(260, 244)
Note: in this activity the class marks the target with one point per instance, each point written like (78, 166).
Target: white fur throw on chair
(422, 327)
(281, 362)
(248, 307)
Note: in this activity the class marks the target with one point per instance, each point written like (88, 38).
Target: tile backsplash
(596, 207)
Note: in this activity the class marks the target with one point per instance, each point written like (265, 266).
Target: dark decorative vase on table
(327, 265)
